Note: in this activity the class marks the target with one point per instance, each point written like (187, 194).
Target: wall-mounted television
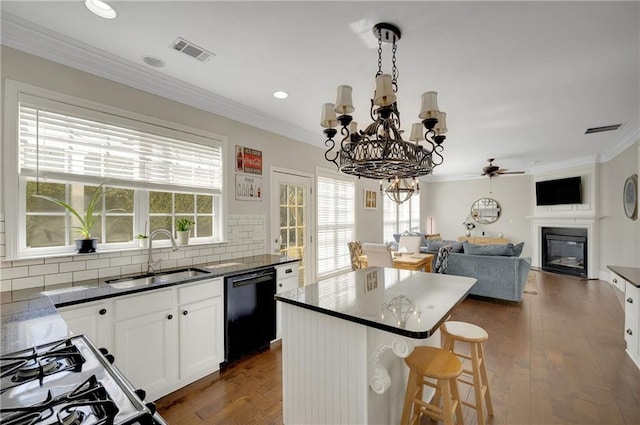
(559, 192)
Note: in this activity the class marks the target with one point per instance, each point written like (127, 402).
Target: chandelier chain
(394, 69)
(379, 56)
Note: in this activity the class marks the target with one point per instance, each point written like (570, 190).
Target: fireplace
(564, 250)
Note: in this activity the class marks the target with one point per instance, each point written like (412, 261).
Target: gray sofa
(498, 276)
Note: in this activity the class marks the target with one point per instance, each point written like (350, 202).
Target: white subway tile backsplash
(134, 268)
(85, 275)
(58, 278)
(96, 264)
(43, 269)
(5, 285)
(109, 272)
(120, 261)
(72, 267)
(28, 282)
(246, 236)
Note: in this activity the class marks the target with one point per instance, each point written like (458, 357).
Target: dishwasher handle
(253, 280)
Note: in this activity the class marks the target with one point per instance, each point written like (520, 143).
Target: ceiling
(520, 81)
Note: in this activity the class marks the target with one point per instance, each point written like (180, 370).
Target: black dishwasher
(250, 313)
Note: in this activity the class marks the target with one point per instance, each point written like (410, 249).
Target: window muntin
(166, 207)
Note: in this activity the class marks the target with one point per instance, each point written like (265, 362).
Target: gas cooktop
(68, 382)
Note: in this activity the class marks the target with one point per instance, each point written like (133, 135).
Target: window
(400, 218)
(336, 223)
(66, 148)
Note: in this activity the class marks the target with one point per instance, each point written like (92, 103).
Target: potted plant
(183, 226)
(143, 238)
(87, 244)
(469, 226)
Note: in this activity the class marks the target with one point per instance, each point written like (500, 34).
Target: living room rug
(531, 286)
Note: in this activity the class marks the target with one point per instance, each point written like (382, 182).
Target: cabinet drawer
(287, 270)
(200, 290)
(617, 281)
(147, 302)
(631, 301)
(287, 284)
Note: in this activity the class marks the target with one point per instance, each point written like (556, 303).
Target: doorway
(291, 228)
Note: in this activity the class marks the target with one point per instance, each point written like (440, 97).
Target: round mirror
(485, 211)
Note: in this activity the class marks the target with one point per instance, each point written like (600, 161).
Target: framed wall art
(630, 197)
(370, 199)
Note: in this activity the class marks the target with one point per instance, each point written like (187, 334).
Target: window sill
(128, 249)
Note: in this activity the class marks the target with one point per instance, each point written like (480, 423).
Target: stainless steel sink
(172, 276)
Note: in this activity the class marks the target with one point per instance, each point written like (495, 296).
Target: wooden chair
(474, 335)
(410, 244)
(433, 364)
(378, 255)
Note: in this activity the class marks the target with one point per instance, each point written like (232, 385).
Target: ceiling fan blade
(511, 172)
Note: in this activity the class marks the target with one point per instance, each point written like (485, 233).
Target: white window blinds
(58, 140)
(336, 224)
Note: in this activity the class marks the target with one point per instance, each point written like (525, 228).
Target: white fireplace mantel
(589, 222)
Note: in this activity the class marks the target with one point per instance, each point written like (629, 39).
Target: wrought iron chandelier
(378, 151)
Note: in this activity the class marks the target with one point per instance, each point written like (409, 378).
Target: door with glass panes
(290, 227)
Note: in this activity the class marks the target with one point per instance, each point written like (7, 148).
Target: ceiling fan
(494, 171)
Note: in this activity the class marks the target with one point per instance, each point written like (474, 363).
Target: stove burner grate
(90, 395)
(35, 364)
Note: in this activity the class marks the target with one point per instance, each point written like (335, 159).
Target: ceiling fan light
(100, 8)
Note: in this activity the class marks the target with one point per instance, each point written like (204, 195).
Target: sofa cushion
(517, 249)
(435, 245)
(505, 250)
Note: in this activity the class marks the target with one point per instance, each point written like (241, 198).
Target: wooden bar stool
(474, 335)
(436, 364)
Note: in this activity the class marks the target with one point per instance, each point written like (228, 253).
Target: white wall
(448, 203)
(620, 236)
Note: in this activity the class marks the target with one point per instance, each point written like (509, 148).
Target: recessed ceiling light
(100, 8)
(154, 62)
(280, 94)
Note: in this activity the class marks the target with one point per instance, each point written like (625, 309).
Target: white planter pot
(183, 237)
(143, 243)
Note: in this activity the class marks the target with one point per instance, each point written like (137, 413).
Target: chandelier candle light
(378, 151)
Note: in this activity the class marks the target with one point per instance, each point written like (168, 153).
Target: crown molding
(630, 135)
(38, 41)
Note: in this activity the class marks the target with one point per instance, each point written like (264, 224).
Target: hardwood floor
(556, 358)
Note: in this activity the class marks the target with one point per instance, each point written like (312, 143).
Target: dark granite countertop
(362, 297)
(29, 317)
(630, 274)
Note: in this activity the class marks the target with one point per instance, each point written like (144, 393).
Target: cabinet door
(146, 351)
(94, 320)
(284, 285)
(631, 319)
(201, 337)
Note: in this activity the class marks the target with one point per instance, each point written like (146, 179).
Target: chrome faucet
(150, 262)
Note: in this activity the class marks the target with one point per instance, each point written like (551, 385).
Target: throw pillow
(517, 249)
(435, 245)
(505, 250)
(434, 237)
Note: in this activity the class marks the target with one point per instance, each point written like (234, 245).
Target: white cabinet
(287, 279)
(201, 312)
(617, 281)
(94, 319)
(146, 340)
(632, 321)
(168, 338)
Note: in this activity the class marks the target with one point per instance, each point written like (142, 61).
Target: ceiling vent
(601, 129)
(190, 49)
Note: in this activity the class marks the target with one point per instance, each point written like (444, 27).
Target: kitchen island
(344, 340)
